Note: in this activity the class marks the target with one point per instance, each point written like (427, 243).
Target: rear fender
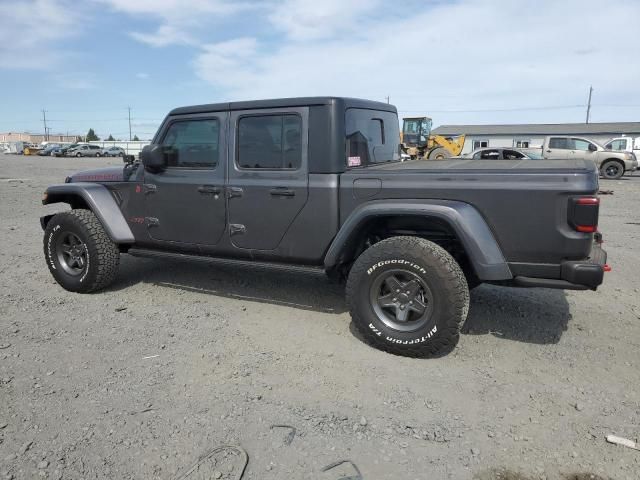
(473, 232)
(98, 199)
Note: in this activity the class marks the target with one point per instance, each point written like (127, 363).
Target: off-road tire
(612, 170)
(439, 153)
(441, 274)
(102, 255)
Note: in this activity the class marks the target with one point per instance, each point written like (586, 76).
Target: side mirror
(592, 148)
(152, 157)
(128, 159)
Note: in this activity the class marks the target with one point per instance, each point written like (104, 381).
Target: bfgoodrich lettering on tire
(79, 253)
(408, 296)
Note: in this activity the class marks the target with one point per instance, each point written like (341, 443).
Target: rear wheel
(612, 170)
(78, 154)
(439, 153)
(79, 253)
(408, 296)
(98, 154)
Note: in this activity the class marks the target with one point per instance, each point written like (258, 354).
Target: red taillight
(606, 267)
(588, 201)
(587, 228)
(583, 214)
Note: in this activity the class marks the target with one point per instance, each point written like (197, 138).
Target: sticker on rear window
(354, 162)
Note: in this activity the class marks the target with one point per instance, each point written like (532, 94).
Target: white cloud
(468, 55)
(178, 18)
(312, 19)
(31, 29)
(142, 75)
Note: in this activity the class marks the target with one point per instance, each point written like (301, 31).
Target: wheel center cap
(403, 298)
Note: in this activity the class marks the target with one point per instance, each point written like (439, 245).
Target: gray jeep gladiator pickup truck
(319, 182)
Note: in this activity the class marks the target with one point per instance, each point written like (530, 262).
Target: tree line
(92, 137)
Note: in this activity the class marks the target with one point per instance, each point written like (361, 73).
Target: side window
(511, 155)
(579, 144)
(192, 144)
(373, 136)
(617, 145)
(490, 155)
(270, 141)
(557, 142)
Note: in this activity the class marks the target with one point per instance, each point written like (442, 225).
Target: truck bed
(524, 202)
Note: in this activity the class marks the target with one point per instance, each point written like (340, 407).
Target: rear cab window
(373, 136)
(560, 143)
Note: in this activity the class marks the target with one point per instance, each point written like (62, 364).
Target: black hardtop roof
(284, 102)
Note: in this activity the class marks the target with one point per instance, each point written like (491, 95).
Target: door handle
(149, 188)
(234, 192)
(548, 151)
(209, 189)
(282, 191)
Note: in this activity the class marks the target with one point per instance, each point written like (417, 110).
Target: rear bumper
(574, 274)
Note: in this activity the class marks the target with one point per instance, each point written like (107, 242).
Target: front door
(581, 150)
(185, 202)
(268, 176)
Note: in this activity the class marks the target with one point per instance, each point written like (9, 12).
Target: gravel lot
(175, 359)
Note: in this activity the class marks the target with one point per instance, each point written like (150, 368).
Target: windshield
(373, 136)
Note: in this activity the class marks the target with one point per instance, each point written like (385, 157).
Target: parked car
(612, 164)
(62, 150)
(114, 152)
(85, 151)
(625, 144)
(48, 150)
(500, 154)
(320, 182)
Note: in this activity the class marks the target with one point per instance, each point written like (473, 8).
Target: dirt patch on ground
(146, 378)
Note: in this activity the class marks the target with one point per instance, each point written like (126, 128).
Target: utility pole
(44, 119)
(387, 97)
(129, 108)
(589, 103)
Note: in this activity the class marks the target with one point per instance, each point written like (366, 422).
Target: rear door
(268, 175)
(184, 203)
(558, 148)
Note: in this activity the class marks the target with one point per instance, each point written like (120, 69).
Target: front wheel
(79, 253)
(439, 153)
(78, 154)
(612, 170)
(408, 296)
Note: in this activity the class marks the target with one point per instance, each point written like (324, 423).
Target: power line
(44, 119)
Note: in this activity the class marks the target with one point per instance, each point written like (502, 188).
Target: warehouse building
(36, 138)
(533, 135)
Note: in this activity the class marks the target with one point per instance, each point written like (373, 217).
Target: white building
(533, 135)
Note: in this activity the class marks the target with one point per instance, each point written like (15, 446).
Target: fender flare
(475, 235)
(100, 202)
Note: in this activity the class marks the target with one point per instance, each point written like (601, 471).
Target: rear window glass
(562, 143)
(373, 136)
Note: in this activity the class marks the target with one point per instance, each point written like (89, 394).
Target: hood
(99, 175)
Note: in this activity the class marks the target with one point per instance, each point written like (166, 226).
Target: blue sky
(465, 61)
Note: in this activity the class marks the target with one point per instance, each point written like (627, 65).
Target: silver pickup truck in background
(611, 164)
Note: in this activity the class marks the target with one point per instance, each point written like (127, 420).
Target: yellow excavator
(418, 142)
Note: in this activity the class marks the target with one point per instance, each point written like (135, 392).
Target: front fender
(100, 202)
(477, 239)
